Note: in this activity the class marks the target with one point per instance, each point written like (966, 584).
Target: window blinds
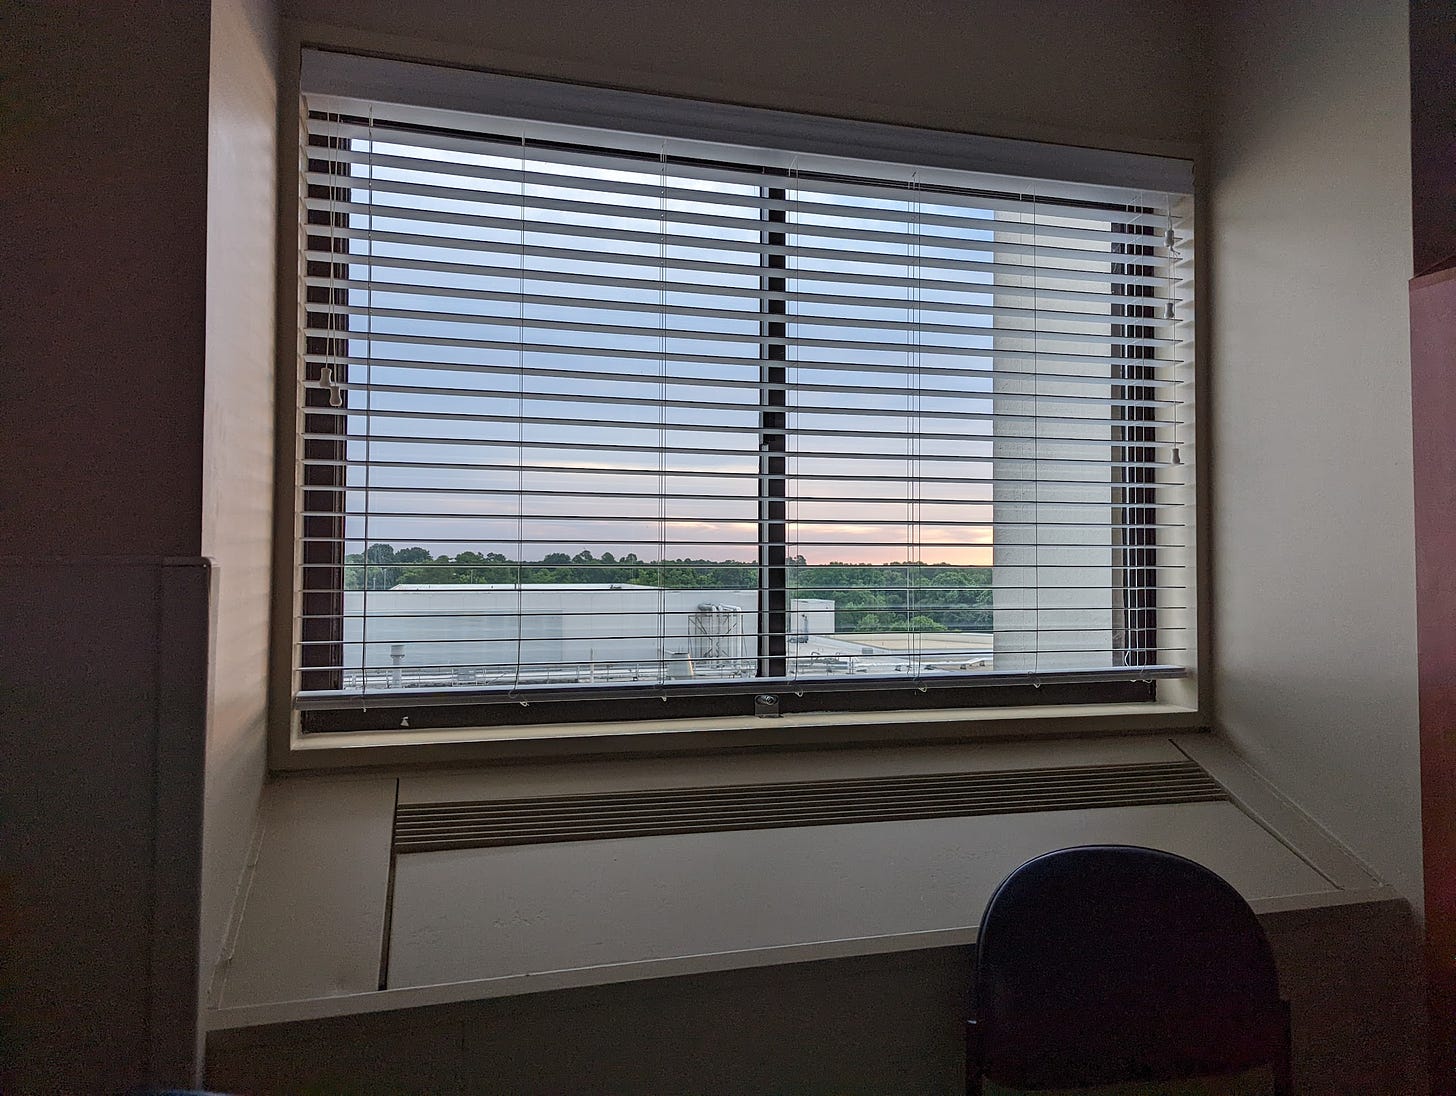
(584, 413)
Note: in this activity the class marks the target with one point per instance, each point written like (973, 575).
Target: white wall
(237, 442)
(1028, 636)
(1314, 612)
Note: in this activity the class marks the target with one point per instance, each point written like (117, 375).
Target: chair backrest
(1110, 963)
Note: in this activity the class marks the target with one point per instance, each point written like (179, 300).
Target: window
(615, 423)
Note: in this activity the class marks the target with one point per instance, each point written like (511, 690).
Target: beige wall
(1312, 507)
(237, 444)
(1045, 69)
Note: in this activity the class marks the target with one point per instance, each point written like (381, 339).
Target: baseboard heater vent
(432, 827)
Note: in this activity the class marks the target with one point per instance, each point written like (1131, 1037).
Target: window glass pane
(582, 420)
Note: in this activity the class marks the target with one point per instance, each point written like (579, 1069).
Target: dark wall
(103, 202)
(102, 697)
(66, 893)
(103, 195)
(877, 1025)
(1433, 133)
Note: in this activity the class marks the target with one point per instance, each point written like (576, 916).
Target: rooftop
(482, 586)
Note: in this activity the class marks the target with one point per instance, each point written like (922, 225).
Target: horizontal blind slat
(726, 384)
(786, 250)
(1150, 207)
(367, 315)
(526, 369)
(455, 171)
(858, 431)
(489, 252)
(1043, 461)
(728, 361)
(1040, 318)
(726, 475)
(795, 228)
(463, 396)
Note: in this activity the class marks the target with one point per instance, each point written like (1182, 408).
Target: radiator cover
(433, 827)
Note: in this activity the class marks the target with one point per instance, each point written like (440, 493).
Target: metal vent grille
(431, 827)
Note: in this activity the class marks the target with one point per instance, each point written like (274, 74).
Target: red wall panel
(1433, 396)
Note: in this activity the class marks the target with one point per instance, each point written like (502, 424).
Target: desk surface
(333, 924)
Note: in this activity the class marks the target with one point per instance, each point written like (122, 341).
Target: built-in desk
(335, 924)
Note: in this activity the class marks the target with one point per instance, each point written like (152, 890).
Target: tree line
(868, 597)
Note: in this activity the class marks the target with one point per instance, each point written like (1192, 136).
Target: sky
(582, 424)
(561, 353)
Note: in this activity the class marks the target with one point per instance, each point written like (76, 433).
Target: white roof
(513, 586)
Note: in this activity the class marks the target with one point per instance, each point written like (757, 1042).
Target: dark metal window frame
(325, 470)
(1135, 608)
(323, 564)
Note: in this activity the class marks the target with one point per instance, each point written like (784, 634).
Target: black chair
(1111, 964)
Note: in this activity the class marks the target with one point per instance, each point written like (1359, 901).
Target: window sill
(735, 733)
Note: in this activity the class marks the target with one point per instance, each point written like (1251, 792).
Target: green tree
(379, 570)
(879, 597)
(468, 567)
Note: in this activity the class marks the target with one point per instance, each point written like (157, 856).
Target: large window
(598, 424)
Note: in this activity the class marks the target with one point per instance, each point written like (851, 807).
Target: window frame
(651, 724)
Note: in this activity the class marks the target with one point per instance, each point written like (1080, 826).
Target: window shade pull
(334, 388)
